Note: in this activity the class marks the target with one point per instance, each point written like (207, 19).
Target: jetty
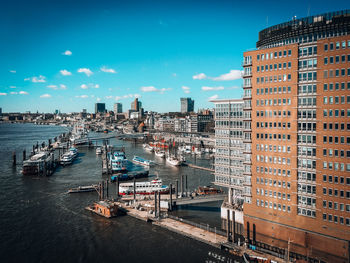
(200, 167)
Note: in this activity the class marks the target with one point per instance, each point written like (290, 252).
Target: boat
(207, 190)
(83, 189)
(142, 161)
(73, 151)
(35, 165)
(160, 154)
(159, 144)
(144, 188)
(79, 134)
(67, 158)
(104, 208)
(129, 176)
(147, 147)
(173, 161)
(118, 161)
(98, 151)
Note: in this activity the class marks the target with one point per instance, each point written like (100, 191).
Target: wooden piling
(177, 188)
(159, 204)
(186, 186)
(24, 155)
(155, 204)
(171, 197)
(106, 182)
(134, 189)
(117, 186)
(228, 226)
(14, 158)
(233, 227)
(182, 185)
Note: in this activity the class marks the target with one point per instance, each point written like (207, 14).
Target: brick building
(297, 138)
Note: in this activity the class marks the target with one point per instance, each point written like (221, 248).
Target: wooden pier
(200, 167)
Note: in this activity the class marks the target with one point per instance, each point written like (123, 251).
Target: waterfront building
(118, 108)
(187, 105)
(165, 124)
(186, 124)
(229, 159)
(100, 108)
(297, 136)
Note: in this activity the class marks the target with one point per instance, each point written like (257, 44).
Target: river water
(40, 222)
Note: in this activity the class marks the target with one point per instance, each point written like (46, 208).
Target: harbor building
(297, 139)
(187, 105)
(229, 160)
(100, 108)
(118, 108)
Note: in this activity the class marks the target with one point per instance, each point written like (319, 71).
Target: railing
(200, 225)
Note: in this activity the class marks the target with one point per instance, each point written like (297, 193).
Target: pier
(200, 167)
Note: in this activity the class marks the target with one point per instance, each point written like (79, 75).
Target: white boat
(67, 158)
(173, 161)
(142, 161)
(98, 151)
(148, 147)
(144, 188)
(118, 161)
(160, 154)
(82, 189)
(73, 151)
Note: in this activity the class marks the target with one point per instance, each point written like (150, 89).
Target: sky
(68, 55)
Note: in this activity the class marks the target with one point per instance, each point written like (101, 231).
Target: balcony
(247, 74)
(247, 63)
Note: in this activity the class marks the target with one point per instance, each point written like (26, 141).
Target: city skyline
(116, 52)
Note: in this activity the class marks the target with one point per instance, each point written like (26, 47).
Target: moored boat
(129, 176)
(173, 161)
(104, 208)
(82, 189)
(98, 151)
(118, 161)
(142, 161)
(147, 147)
(144, 188)
(160, 154)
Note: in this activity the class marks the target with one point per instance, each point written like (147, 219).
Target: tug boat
(144, 188)
(142, 161)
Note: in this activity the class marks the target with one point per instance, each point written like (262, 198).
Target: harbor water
(40, 222)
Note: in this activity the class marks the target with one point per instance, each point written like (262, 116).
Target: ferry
(98, 151)
(160, 154)
(67, 158)
(118, 161)
(73, 151)
(173, 161)
(83, 189)
(144, 188)
(104, 208)
(142, 161)
(35, 164)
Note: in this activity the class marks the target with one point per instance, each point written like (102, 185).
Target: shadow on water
(199, 208)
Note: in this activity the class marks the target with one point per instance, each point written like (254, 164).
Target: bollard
(14, 159)
(24, 155)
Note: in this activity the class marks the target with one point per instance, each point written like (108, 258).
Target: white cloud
(82, 96)
(137, 96)
(214, 97)
(23, 93)
(13, 87)
(13, 71)
(3, 94)
(232, 75)
(67, 53)
(87, 71)
(55, 87)
(13, 92)
(108, 70)
(200, 76)
(174, 75)
(205, 88)
(65, 72)
(98, 99)
(154, 89)
(90, 85)
(186, 89)
(36, 79)
(127, 96)
(234, 87)
(45, 96)
(109, 97)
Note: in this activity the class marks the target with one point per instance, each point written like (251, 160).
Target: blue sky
(69, 55)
